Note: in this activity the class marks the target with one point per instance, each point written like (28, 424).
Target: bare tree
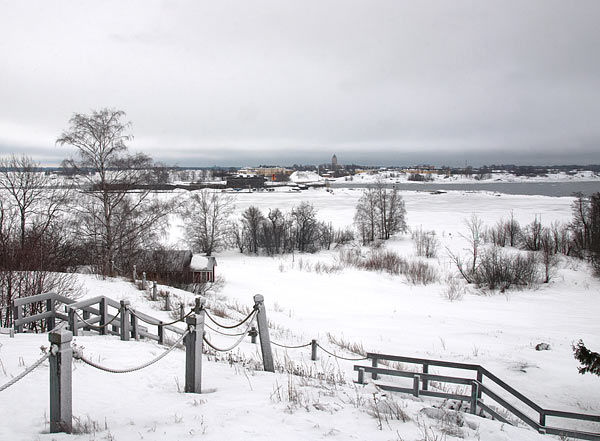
(380, 213)
(30, 194)
(113, 219)
(365, 217)
(474, 237)
(532, 235)
(305, 226)
(426, 243)
(207, 215)
(252, 220)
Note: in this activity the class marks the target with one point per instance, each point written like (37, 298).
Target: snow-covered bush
(420, 273)
(426, 243)
(498, 269)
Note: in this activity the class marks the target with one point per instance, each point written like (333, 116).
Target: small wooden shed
(203, 268)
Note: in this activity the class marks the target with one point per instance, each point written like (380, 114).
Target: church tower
(334, 163)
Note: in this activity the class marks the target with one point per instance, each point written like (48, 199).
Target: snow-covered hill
(339, 308)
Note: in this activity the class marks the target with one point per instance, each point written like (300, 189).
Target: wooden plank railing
(92, 314)
(421, 383)
(50, 315)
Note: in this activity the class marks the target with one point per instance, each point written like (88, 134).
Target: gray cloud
(269, 81)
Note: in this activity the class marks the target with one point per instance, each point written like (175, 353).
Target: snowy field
(383, 313)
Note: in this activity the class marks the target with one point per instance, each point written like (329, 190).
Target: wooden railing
(50, 315)
(477, 390)
(101, 314)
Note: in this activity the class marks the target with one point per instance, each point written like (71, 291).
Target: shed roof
(200, 262)
(165, 261)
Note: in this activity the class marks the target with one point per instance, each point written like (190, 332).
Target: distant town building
(334, 163)
(245, 181)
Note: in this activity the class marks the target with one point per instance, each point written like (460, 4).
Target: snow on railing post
(134, 275)
(263, 333)
(199, 306)
(61, 361)
(144, 280)
(124, 320)
(102, 311)
(313, 350)
(193, 353)
(50, 321)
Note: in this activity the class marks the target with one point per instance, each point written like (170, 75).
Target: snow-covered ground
(383, 313)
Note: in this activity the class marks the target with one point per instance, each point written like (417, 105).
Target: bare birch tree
(114, 219)
(207, 224)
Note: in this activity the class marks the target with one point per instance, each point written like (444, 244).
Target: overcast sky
(247, 82)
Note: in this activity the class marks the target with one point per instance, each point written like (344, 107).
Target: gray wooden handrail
(87, 302)
(477, 390)
(41, 297)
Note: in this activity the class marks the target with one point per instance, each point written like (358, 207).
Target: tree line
(47, 229)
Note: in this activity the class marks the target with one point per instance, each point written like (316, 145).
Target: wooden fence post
(199, 306)
(374, 364)
(124, 320)
(193, 353)
(161, 333)
(361, 375)
(480, 379)
(61, 360)
(416, 380)
(135, 330)
(313, 350)
(86, 316)
(425, 371)
(103, 320)
(134, 275)
(17, 314)
(154, 289)
(50, 321)
(144, 280)
(181, 311)
(474, 394)
(167, 302)
(73, 322)
(253, 333)
(263, 333)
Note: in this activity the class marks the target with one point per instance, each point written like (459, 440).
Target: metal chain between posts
(290, 347)
(97, 326)
(132, 311)
(235, 344)
(324, 350)
(27, 371)
(79, 356)
(232, 326)
(339, 356)
(237, 334)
